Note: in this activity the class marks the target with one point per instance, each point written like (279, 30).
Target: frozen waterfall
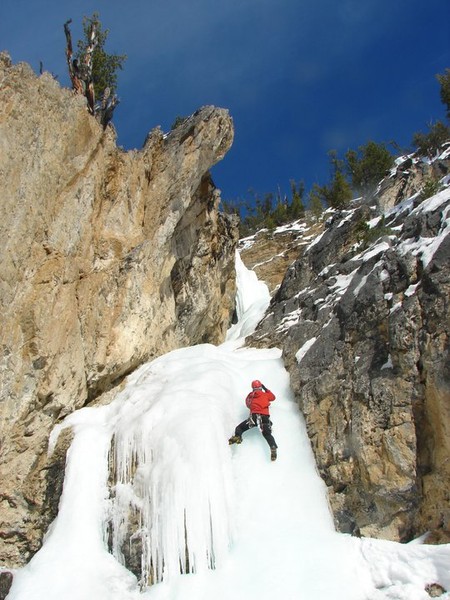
(151, 480)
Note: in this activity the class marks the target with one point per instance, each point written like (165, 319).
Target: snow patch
(396, 306)
(388, 364)
(360, 285)
(378, 249)
(289, 320)
(304, 349)
(411, 290)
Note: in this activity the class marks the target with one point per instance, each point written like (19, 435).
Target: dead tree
(104, 110)
(81, 74)
(82, 79)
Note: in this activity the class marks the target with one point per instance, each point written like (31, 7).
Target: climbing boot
(235, 439)
(273, 453)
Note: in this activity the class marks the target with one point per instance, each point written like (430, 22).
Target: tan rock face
(109, 258)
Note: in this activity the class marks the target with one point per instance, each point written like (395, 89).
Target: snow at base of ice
(264, 526)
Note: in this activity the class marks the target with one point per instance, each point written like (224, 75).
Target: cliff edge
(109, 258)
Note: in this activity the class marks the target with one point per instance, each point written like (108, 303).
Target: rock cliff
(363, 317)
(109, 258)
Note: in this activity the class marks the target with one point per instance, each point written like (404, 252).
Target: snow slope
(265, 527)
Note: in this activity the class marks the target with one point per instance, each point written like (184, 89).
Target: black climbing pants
(264, 423)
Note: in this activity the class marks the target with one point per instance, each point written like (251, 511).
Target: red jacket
(258, 401)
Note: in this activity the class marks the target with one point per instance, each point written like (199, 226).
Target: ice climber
(258, 401)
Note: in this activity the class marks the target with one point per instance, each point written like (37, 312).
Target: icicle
(179, 492)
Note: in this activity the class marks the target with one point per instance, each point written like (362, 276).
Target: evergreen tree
(270, 223)
(338, 193)
(429, 143)
(104, 66)
(267, 207)
(444, 80)
(177, 122)
(315, 202)
(279, 213)
(368, 165)
(296, 209)
(438, 132)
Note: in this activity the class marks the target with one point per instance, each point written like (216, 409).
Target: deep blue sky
(299, 77)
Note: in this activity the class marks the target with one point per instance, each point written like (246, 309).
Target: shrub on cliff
(315, 204)
(368, 165)
(366, 235)
(430, 142)
(296, 209)
(431, 186)
(444, 80)
(338, 193)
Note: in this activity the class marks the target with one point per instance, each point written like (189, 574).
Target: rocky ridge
(363, 318)
(109, 258)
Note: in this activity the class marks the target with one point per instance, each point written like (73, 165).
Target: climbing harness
(256, 420)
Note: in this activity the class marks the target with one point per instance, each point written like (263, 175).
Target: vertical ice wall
(171, 466)
(252, 300)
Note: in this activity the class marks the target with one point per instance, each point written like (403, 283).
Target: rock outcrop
(408, 178)
(109, 258)
(365, 331)
(270, 253)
